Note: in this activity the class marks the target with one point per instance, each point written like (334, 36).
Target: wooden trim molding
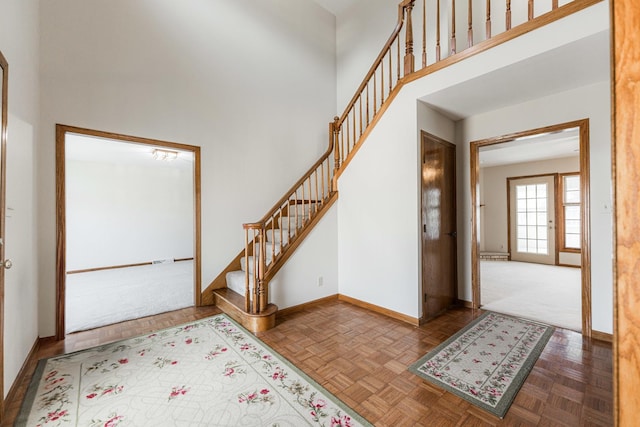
(465, 304)
(380, 310)
(61, 245)
(305, 306)
(602, 336)
(31, 358)
(625, 48)
(115, 267)
(475, 146)
(561, 220)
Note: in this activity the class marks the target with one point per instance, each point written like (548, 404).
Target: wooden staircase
(271, 241)
(282, 237)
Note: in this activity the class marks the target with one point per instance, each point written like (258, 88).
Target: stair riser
(289, 222)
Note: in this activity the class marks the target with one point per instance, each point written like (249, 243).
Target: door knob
(7, 263)
(453, 234)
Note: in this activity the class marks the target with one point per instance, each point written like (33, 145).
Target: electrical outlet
(320, 281)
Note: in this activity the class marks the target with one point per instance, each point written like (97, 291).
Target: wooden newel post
(409, 58)
(259, 295)
(259, 268)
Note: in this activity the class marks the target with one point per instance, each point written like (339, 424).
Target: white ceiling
(577, 64)
(534, 148)
(102, 150)
(574, 65)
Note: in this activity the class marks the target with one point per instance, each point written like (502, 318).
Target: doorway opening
(531, 224)
(128, 227)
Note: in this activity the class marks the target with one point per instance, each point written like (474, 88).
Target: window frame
(561, 237)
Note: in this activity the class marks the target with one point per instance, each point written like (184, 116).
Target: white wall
(493, 192)
(592, 102)
(251, 82)
(379, 213)
(361, 31)
(312, 271)
(19, 44)
(119, 213)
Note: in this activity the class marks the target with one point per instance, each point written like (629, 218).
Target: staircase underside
(230, 302)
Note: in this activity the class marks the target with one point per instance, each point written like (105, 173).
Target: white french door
(532, 219)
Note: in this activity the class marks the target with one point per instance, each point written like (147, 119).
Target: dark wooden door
(439, 236)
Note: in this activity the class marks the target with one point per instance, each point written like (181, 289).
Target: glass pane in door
(531, 219)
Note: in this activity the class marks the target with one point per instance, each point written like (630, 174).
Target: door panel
(532, 219)
(439, 266)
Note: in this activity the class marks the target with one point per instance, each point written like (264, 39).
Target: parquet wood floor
(362, 357)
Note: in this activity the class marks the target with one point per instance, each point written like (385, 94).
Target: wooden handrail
(376, 63)
(275, 207)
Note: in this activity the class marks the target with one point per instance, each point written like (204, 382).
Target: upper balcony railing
(428, 32)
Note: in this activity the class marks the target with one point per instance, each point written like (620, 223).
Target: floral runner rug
(487, 362)
(208, 373)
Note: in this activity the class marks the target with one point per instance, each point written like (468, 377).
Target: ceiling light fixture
(165, 155)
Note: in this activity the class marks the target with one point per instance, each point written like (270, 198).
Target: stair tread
(232, 304)
(231, 296)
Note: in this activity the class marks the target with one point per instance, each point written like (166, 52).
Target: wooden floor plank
(362, 357)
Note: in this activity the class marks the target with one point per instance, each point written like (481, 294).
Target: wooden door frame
(475, 146)
(61, 131)
(625, 78)
(424, 135)
(3, 186)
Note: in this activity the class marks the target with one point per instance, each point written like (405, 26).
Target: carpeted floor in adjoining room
(546, 293)
(104, 297)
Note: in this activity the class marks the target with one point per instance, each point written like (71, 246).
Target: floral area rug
(208, 373)
(487, 362)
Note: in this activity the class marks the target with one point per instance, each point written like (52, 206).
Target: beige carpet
(546, 293)
(100, 298)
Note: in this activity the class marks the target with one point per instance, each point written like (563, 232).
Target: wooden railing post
(453, 27)
(409, 58)
(424, 33)
(508, 15)
(247, 276)
(438, 31)
(334, 132)
(470, 22)
(258, 301)
(488, 24)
